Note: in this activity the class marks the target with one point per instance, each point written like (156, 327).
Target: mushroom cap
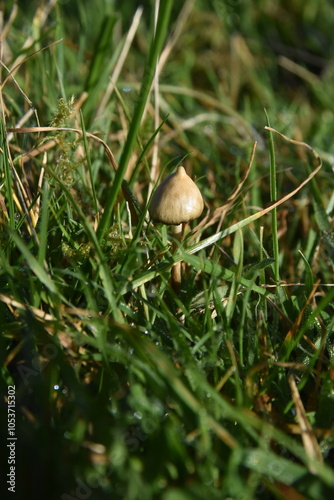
(176, 200)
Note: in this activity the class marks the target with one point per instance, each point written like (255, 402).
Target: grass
(124, 388)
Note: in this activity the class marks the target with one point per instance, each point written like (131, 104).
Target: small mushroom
(177, 200)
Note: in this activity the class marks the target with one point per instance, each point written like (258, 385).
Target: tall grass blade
(7, 175)
(34, 264)
(89, 162)
(155, 49)
(43, 226)
(273, 199)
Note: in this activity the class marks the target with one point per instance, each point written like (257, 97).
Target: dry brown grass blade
(14, 304)
(265, 365)
(37, 151)
(120, 62)
(294, 328)
(30, 130)
(12, 71)
(10, 75)
(21, 123)
(297, 143)
(24, 199)
(5, 28)
(289, 492)
(243, 223)
(309, 440)
(299, 70)
(179, 25)
(3, 211)
(21, 199)
(319, 432)
(219, 212)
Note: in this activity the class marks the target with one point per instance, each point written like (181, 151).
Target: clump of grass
(124, 388)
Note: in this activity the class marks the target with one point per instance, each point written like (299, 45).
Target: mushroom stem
(176, 201)
(176, 269)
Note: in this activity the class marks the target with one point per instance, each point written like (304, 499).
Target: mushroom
(177, 200)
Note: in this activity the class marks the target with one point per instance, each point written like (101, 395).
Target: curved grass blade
(34, 264)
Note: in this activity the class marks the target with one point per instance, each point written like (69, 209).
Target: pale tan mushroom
(176, 201)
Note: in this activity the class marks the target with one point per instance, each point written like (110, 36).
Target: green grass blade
(288, 347)
(43, 226)
(238, 252)
(273, 198)
(8, 175)
(309, 281)
(89, 163)
(270, 465)
(155, 49)
(34, 264)
(102, 51)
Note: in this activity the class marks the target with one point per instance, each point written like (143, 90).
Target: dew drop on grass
(208, 129)
(251, 460)
(151, 292)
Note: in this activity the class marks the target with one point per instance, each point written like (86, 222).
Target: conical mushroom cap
(176, 200)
